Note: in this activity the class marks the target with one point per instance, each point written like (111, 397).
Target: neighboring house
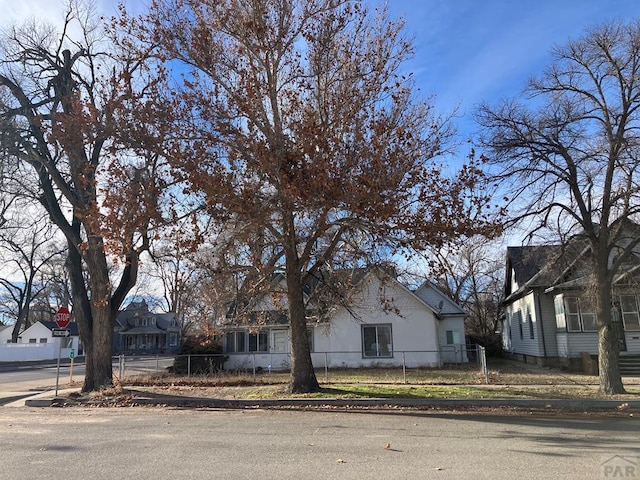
(138, 330)
(5, 333)
(42, 333)
(383, 324)
(549, 318)
(451, 325)
(38, 343)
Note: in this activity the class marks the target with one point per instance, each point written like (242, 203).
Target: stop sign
(63, 317)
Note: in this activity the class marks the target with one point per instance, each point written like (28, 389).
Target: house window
(310, 338)
(376, 341)
(453, 337)
(516, 317)
(43, 340)
(630, 314)
(173, 339)
(579, 315)
(532, 334)
(33, 340)
(258, 341)
(145, 322)
(235, 342)
(558, 306)
(66, 342)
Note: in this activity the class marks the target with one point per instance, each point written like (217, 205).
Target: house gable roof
(50, 324)
(553, 267)
(126, 319)
(438, 300)
(353, 280)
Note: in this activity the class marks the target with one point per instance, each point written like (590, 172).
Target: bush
(205, 354)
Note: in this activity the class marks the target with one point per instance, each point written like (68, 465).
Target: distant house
(380, 322)
(549, 317)
(138, 330)
(5, 333)
(38, 343)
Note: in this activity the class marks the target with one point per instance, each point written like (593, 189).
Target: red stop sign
(63, 317)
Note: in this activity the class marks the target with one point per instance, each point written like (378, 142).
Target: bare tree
(27, 246)
(474, 278)
(569, 159)
(80, 121)
(308, 139)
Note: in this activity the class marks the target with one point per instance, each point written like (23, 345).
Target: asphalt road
(42, 376)
(168, 444)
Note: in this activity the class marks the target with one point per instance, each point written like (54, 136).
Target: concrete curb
(610, 405)
(46, 399)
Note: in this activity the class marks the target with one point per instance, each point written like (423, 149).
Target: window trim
(311, 338)
(637, 312)
(236, 334)
(379, 353)
(258, 334)
(559, 310)
(579, 314)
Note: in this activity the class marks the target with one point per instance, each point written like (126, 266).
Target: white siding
(633, 343)
(562, 344)
(582, 342)
(5, 333)
(456, 353)
(521, 341)
(416, 332)
(36, 351)
(413, 327)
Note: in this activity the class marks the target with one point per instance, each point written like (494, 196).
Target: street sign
(72, 354)
(60, 332)
(63, 317)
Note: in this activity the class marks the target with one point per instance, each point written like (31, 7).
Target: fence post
(404, 368)
(326, 368)
(121, 366)
(157, 363)
(483, 361)
(188, 366)
(253, 357)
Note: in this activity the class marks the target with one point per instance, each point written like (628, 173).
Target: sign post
(63, 317)
(72, 355)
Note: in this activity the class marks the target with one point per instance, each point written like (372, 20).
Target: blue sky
(467, 51)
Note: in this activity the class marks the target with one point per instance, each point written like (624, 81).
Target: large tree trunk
(303, 377)
(101, 351)
(608, 361)
(93, 315)
(608, 342)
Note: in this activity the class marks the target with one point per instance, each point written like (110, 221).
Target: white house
(5, 333)
(384, 324)
(38, 343)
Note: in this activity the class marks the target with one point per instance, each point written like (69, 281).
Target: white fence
(29, 352)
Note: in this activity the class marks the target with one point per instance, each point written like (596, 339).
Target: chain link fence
(403, 367)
